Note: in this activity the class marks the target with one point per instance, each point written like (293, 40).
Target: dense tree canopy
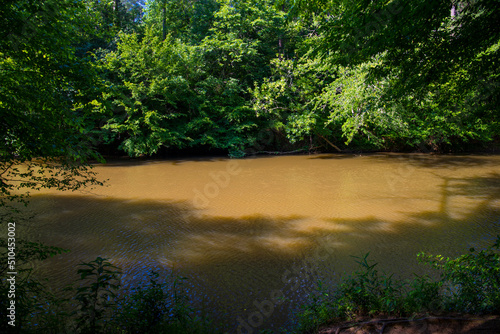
(47, 94)
(85, 78)
(434, 65)
(142, 76)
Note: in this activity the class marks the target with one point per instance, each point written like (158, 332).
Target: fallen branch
(279, 152)
(331, 144)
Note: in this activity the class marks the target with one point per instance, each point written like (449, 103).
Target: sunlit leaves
(45, 98)
(438, 59)
(161, 94)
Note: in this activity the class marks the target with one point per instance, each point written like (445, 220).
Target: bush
(468, 284)
(31, 297)
(96, 297)
(471, 281)
(98, 305)
(156, 307)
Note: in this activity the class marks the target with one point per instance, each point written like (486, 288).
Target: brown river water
(253, 236)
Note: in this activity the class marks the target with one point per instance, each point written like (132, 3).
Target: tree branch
(333, 145)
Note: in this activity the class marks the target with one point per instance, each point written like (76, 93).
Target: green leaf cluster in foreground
(97, 302)
(468, 284)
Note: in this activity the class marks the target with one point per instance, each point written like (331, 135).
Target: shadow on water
(446, 161)
(134, 162)
(102, 224)
(235, 263)
(337, 156)
(417, 159)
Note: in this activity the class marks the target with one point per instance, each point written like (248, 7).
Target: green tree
(47, 97)
(289, 97)
(440, 70)
(176, 92)
(160, 96)
(188, 20)
(244, 38)
(150, 100)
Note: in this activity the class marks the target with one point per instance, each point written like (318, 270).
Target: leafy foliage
(433, 64)
(158, 307)
(96, 297)
(46, 98)
(96, 303)
(469, 284)
(169, 93)
(148, 75)
(31, 297)
(473, 280)
(289, 97)
(186, 20)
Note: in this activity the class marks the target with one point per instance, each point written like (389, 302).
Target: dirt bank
(418, 325)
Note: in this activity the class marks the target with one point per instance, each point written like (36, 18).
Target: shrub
(151, 308)
(471, 281)
(96, 297)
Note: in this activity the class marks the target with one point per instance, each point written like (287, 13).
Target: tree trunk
(117, 14)
(281, 51)
(164, 19)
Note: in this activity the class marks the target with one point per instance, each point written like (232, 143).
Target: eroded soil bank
(443, 324)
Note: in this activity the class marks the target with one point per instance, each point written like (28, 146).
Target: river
(247, 232)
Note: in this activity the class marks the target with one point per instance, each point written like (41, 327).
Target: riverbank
(198, 153)
(465, 299)
(465, 324)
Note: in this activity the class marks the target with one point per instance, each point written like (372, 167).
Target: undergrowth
(468, 284)
(98, 303)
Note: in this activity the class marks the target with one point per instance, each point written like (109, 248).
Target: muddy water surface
(247, 232)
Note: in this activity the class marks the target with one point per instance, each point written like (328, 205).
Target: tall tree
(441, 71)
(46, 97)
(192, 88)
(188, 20)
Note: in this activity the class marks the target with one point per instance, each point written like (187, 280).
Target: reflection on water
(243, 230)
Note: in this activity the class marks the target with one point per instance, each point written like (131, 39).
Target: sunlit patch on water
(260, 231)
